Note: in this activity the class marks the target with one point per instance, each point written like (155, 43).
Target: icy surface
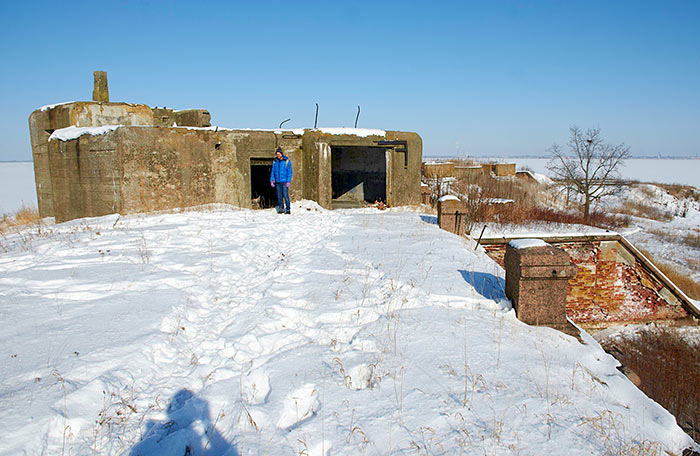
(69, 133)
(246, 332)
(17, 187)
(519, 244)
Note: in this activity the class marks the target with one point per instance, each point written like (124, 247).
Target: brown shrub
(24, 216)
(669, 369)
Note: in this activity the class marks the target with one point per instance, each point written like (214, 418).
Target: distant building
(97, 157)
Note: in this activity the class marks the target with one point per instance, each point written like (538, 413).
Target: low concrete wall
(468, 172)
(438, 170)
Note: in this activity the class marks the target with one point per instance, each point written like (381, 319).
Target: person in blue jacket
(280, 178)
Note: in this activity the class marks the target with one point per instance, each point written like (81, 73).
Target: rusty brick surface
(610, 287)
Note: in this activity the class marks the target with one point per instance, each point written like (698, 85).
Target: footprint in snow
(299, 406)
(255, 387)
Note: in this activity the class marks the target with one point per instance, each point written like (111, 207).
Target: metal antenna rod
(316, 119)
(284, 122)
(358, 115)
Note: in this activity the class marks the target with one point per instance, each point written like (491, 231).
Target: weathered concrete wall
(140, 169)
(612, 285)
(43, 122)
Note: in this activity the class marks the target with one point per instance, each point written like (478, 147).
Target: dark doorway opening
(262, 195)
(358, 175)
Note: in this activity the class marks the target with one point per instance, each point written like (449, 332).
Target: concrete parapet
(504, 169)
(164, 117)
(438, 170)
(468, 172)
(537, 275)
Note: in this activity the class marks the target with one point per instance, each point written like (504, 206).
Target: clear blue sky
(489, 78)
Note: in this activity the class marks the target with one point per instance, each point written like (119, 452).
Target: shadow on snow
(487, 285)
(187, 431)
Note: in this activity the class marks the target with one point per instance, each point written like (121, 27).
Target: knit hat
(279, 149)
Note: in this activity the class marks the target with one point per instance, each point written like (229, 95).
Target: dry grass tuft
(642, 210)
(689, 240)
(682, 281)
(669, 368)
(681, 191)
(24, 216)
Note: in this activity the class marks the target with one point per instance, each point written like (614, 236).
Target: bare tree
(590, 168)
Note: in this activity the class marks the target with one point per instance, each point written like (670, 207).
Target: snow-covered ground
(16, 186)
(324, 332)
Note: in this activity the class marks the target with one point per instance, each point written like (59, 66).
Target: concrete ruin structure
(614, 284)
(99, 157)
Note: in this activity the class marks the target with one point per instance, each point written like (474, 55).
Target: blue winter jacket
(281, 170)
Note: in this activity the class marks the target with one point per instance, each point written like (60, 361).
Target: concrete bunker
(98, 157)
(358, 175)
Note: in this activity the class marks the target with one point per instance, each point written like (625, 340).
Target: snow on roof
(296, 131)
(51, 106)
(519, 244)
(448, 198)
(69, 133)
(362, 132)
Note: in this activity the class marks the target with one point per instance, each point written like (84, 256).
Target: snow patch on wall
(69, 133)
(361, 132)
(519, 244)
(51, 106)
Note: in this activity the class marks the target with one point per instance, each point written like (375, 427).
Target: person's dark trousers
(282, 197)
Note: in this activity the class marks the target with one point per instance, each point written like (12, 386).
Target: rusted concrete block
(536, 278)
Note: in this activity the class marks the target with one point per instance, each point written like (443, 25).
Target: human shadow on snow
(188, 430)
(431, 219)
(487, 285)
